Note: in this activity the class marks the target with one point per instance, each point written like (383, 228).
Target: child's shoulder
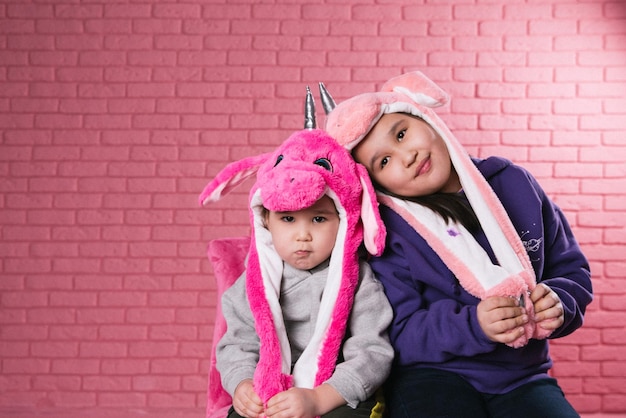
(499, 166)
(509, 180)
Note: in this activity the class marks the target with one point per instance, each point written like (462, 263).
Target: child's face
(305, 238)
(404, 155)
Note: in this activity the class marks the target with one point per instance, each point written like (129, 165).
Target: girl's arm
(565, 267)
(551, 246)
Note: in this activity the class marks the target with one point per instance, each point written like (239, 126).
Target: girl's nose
(408, 157)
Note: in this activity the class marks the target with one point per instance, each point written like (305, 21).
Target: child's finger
(546, 303)
(539, 292)
(553, 312)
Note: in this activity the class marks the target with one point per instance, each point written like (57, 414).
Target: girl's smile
(424, 166)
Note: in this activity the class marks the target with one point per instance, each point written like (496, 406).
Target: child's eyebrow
(394, 127)
(390, 133)
(325, 212)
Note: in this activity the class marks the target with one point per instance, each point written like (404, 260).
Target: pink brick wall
(114, 114)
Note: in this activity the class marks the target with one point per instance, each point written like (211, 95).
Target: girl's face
(405, 156)
(305, 238)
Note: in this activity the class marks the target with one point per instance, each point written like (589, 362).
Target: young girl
(480, 266)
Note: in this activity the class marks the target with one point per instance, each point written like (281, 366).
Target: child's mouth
(424, 166)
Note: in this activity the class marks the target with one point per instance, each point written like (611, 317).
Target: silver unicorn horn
(327, 100)
(309, 110)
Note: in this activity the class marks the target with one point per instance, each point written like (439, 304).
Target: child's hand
(245, 400)
(304, 403)
(548, 307)
(501, 318)
(292, 403)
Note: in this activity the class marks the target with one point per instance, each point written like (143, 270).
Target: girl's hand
(246, 402)
(548, 307)
(501, 318)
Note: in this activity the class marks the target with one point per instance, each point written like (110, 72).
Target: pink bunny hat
(307, 166)
(413, 93)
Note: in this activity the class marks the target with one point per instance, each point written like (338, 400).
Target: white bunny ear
(418, 88)
(374, 232)
(230, 177)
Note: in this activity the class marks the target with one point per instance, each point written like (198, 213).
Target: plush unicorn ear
(374, 232)
(419, 88)
(230, 177)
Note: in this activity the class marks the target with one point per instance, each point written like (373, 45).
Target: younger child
(307, 321)
(480, 266)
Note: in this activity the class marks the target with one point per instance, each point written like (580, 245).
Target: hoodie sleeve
(553, 250)
(237, 352)
(559, 261)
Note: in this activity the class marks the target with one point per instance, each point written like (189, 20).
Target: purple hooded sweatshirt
(435, 323)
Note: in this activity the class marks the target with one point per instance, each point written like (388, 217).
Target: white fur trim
(419, 98)
(460, 242)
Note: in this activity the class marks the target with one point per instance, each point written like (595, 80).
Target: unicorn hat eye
(324, 163)
(278, 160)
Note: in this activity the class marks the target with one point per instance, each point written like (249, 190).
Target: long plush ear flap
(374, 232)
(230, 177)
(419, 88)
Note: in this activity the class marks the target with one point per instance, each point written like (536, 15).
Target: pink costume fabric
(307, 166)
(413, 93)
(227, 255)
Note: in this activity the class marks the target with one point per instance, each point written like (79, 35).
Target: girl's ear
(230, 177)
(374, 232)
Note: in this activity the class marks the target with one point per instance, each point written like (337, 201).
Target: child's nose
(303, 234)
(409, 158)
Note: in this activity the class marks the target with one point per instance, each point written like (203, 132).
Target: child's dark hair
(450, 206)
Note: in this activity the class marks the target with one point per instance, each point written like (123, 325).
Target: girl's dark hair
(450, 206)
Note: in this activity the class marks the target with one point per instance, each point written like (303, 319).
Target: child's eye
(319, 219)
(287, 218)
(384, 161)
(401, 135)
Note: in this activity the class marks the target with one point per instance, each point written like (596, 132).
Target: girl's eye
(324, 163)
(278, 160)
(384, 162)
(287, 218)
(401, 135)
(318, 219)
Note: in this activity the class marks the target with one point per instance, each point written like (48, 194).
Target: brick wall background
(114, 115)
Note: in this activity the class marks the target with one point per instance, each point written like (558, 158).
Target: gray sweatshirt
(365, 356)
